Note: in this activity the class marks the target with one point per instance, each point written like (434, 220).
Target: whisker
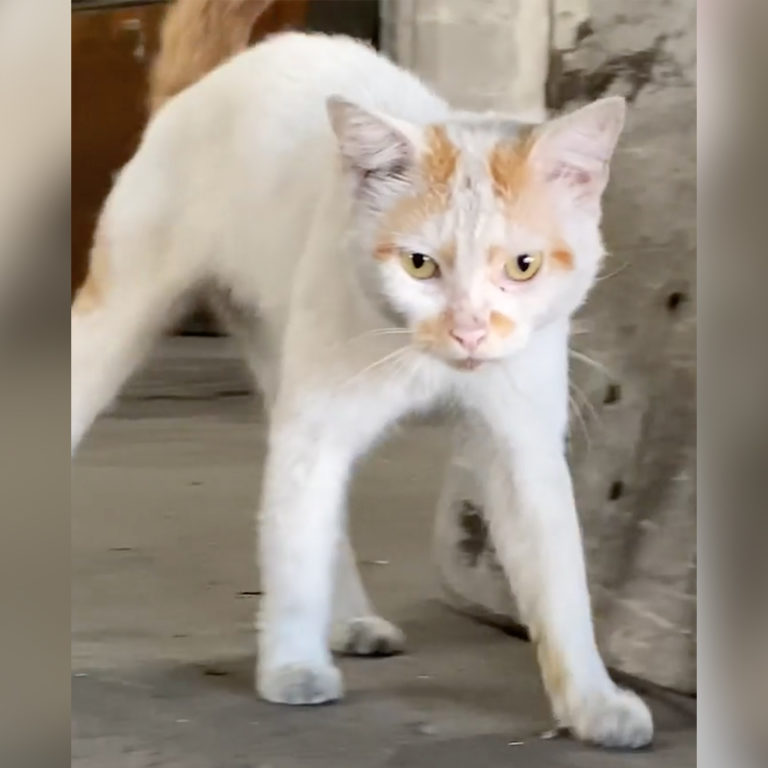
(381, 361)
(581, 327)
(333, 347)
(615, 272)
(377, 332)
(576, 410)
(386, 332)
(592, 412)
(594, 415)
(584, 358)
(400, 366)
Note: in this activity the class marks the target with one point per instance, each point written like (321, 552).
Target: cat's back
(236, 164)
(257, 125)
(301, 70)
(270, 100)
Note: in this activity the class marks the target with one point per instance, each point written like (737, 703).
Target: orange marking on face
(410, 213)
(509, 168)
(498, 256)
(501, 324)
(525, 197)
(90, 295)
(434, 330)
(438, 165)
(385, 251)
(562, 257)
(446, 256)
(441, 156)
(408, 216)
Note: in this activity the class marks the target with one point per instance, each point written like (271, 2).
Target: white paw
(300, 683)
(615, 718)
(367, 636)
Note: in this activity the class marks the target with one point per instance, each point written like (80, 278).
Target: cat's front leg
(301, 521)
(535, 531)
(313, 444)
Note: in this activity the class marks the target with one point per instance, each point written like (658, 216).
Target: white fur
(238, 181)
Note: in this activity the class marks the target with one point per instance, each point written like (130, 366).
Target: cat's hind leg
(356, 629)
(115, 319)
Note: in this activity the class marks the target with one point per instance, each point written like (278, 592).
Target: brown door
(112, 47)
(111, 51)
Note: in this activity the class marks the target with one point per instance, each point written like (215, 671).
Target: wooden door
(113, 44)
(111, 51)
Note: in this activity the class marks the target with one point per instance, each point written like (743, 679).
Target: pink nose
(469, 338)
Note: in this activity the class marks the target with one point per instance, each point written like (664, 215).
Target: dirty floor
(164, 591)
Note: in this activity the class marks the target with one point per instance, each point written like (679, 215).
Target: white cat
(378, 253)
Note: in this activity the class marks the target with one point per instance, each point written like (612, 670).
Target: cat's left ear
(376, 147)
(575, 151)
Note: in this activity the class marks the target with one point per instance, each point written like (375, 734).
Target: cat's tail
(196, 37)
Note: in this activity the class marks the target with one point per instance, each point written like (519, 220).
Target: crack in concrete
(635, 69)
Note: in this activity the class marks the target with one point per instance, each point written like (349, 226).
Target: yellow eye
(524, 266)
(419, 266)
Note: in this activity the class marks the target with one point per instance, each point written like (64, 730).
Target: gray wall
(632, 447)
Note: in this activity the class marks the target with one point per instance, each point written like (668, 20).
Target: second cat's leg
(356, 629)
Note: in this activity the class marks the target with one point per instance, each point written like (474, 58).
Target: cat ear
(575, 151)
(371, 144)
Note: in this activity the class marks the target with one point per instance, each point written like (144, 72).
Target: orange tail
(197, 36)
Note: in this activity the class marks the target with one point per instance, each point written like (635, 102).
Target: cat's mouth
(467, 363)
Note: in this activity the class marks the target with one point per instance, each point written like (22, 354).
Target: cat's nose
(470, 338)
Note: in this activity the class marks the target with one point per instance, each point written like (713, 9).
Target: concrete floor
(164, 591)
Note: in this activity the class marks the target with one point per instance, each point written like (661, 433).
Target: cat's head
(476, 231)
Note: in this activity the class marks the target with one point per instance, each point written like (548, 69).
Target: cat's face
(475, 233)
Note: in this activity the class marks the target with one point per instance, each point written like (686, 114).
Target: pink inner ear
(576, 149)
(576, 162)
(573, 174)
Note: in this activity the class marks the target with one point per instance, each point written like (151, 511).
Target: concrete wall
(479, 54)
(632, 447)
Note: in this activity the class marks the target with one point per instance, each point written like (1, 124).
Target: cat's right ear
(376, 147)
